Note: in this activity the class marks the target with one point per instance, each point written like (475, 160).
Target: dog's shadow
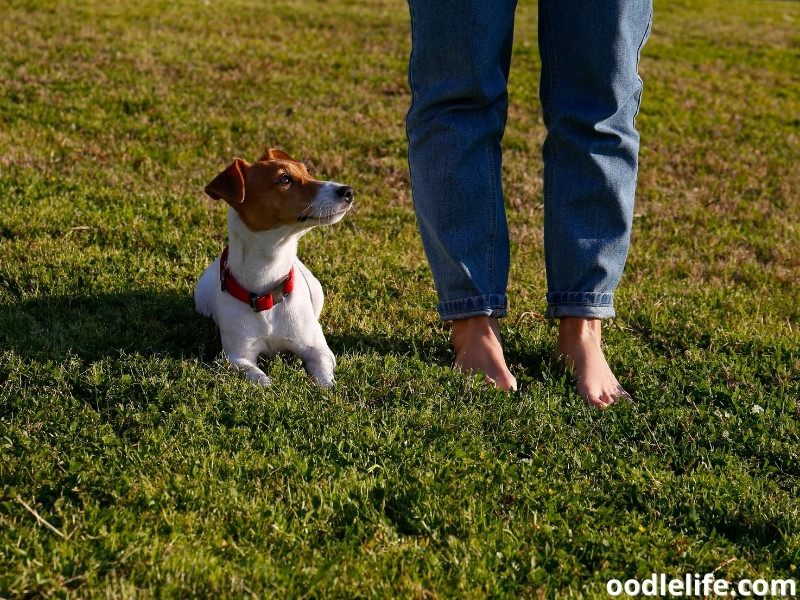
(95, 327)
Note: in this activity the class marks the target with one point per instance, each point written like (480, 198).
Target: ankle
(579, 330)
(465, 331)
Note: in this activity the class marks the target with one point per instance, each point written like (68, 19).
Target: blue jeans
(590, 93)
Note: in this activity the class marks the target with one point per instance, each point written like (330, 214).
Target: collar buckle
(261, 303)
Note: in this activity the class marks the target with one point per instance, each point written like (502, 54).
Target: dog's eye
(283, 179)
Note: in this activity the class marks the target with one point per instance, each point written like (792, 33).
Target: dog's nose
(345, 192)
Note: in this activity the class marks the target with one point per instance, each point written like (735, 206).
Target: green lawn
(133, 463)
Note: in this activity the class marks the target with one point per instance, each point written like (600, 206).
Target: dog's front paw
(325, 381)
(251, 371)
(320, 366)
(262, 379)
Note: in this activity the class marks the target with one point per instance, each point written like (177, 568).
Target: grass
(134, 464)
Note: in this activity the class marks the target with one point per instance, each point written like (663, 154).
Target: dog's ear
(274, 153)
(229, 185)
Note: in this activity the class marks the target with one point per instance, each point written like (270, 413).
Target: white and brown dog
(261, 296)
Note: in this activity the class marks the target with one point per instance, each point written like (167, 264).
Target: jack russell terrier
(261, 296)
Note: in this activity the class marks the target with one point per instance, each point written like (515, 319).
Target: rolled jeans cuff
(587, 305)
(492, 305)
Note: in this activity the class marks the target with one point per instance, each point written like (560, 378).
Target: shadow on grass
(529, 358)
(397, 345)
(95, 327)
(152, 323)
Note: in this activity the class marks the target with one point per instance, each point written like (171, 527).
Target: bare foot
(579, 347)
(476, 341)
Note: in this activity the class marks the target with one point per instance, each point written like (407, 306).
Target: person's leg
(590, 93)
(458, 73)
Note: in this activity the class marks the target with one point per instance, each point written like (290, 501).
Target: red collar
(257, 303)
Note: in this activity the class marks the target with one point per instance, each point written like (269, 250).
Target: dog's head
(277, 190)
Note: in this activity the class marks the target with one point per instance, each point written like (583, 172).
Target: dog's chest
(278, 329)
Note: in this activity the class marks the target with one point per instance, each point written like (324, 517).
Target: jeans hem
(587, 305)
(492, 305)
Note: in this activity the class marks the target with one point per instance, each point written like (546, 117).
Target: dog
(262, 298)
